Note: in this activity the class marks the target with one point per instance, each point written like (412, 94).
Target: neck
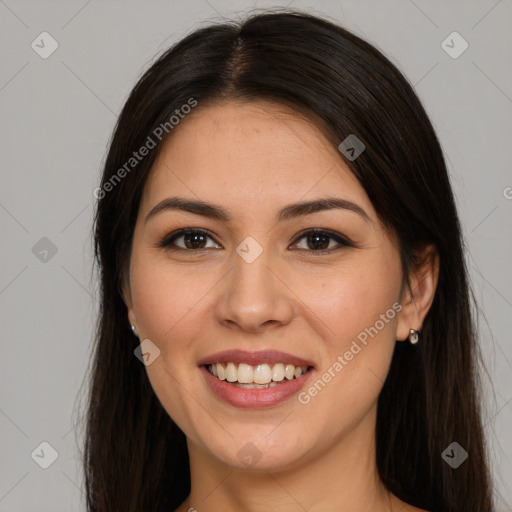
(341, 480)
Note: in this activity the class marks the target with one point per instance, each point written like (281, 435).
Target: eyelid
(170, 238)
(342, 240)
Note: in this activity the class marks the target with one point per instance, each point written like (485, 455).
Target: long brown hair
(135, 456)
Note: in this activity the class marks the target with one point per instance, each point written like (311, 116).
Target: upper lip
(254, 358)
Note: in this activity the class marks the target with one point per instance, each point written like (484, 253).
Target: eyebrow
(291, 211)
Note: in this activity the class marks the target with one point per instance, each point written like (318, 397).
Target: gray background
(57, 116)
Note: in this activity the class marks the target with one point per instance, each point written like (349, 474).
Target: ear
(127, 298)
(417, 299)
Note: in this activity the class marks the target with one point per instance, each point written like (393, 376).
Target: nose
(254, 297)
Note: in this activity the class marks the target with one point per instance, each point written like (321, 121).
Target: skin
(253, 159)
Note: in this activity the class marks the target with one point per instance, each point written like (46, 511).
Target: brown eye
(321, 240)
(192, 239)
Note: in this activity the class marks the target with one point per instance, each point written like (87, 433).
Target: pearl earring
(413, 336)
(134, 331)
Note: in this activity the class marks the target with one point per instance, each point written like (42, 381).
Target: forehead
(249, 154)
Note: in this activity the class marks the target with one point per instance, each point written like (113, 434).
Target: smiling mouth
(261, 376)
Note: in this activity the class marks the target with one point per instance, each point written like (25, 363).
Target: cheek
(167, 303)
(358, 311)
(165, 299)
(352, 298)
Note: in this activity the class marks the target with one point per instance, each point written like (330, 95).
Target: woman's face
(251, 287)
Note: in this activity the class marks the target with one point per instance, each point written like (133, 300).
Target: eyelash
(169, 240)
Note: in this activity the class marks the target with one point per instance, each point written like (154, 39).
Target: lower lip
(254, 398)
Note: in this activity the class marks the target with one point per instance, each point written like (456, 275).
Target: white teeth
(231, 372)
(278, 372)
(256, 386)
(255, 377)
(245, 373)
(220, 372)
(262, 374)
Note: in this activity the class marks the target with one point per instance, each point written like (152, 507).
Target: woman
(280, 249)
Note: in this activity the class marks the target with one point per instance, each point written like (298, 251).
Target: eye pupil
(319, 245)
(191, 239)
(194, 238)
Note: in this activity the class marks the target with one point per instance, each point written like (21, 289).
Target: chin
(259, 451)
